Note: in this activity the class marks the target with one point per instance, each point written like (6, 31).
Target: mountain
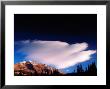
(28, 68)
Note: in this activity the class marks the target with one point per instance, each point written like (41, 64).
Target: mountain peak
(29, 68)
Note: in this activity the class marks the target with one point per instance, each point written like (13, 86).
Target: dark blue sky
(70, 28)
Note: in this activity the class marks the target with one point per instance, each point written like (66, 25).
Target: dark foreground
(36, 69)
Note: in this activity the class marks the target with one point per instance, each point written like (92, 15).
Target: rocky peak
(28, 68)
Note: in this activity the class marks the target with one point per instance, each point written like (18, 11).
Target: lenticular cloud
(57, 53)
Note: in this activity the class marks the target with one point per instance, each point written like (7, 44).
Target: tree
(91, 70)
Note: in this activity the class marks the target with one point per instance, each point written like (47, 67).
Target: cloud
(57, 53)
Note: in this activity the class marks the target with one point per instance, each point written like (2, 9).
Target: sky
(59, 40)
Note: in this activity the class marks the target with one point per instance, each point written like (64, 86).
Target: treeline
(91, 70)
(30, 69)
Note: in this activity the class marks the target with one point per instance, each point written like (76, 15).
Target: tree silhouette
(29, 69)
(90, 70)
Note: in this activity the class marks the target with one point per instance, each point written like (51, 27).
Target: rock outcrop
(35, 69)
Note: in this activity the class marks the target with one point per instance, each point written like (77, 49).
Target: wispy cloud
(57, 53)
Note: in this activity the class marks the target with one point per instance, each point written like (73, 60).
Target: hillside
(28, 68)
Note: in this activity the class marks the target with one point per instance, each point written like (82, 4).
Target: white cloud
(57, 53)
